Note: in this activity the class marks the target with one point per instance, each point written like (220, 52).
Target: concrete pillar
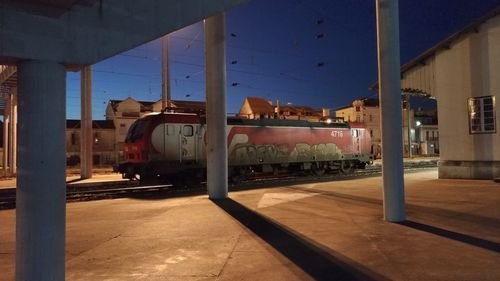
(6, 121)
(41, 183)
(86, 134)
(10, 153)
(390, 108)
(215, 56)
(13, 128)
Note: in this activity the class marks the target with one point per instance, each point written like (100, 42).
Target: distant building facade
(417, 124)
(103, 144)
(364, 111)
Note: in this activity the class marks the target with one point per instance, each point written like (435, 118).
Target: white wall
(471, 68)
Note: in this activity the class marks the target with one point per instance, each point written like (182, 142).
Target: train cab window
(170, 130)
(136, 131)
(188, 131)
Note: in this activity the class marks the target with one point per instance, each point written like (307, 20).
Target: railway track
(133, 189)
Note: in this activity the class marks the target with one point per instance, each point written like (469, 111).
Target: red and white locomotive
(172, 146)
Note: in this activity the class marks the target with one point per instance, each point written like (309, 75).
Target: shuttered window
(482, 115)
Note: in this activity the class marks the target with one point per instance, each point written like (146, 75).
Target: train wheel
(345, 166)
(318, 169)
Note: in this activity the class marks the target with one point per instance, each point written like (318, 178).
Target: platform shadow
(315, 261)
(483, 221)
(74, 180)
(464, 238)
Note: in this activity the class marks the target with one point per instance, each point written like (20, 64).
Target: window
(123, 129)
(74, 139)
(188, 131)
(170, 130)
(96, 138)
(427, 135)
(370, 117)
(358, 108)
(482, 115)
(371, 133)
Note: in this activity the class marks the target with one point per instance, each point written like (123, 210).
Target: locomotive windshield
(136, 131)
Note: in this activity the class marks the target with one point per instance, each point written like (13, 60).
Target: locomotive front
(162, 145)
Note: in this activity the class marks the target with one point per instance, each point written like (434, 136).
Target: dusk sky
(319, 53)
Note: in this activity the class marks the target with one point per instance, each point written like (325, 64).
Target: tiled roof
(259, 105)
(96, 124)
(367, 102)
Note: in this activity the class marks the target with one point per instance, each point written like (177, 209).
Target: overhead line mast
(166, 96)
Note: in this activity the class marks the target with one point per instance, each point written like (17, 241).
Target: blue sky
(320, 53)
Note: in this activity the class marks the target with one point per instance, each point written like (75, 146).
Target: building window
(426, 135)
(96, 138)
(371, 133)
(123, 129)
(482, 115)
(358, 108)
(370, 117)
(74, 139)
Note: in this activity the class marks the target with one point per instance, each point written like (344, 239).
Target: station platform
(322, 231)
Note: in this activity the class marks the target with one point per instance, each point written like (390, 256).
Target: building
(367, 111)
(103, 148)
(257, 108)
(426, 132)
(462, 72)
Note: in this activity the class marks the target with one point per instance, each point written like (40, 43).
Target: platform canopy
(84, 32)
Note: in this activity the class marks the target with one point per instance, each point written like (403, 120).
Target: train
(172, 147)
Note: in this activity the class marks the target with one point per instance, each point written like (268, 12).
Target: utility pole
(165, 81)
(409, 125)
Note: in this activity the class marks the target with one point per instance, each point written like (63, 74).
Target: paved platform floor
(324, 231)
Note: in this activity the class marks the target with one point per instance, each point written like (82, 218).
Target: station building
(462, 72)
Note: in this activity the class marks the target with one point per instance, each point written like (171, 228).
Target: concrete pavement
(324, 231)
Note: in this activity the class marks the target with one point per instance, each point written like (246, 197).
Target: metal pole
(6, 121)
(41, 180)
(163, 87)
(13, 166)
(410, 153)
(11, 134)
(167, 54)
(215, 56)
(165, 67)
(390, 109)
(86, 139)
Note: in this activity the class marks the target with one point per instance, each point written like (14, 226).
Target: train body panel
(168, 144)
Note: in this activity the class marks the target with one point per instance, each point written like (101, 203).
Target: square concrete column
(41, 181)
(390, 109)
(215, 69)
(13, 133)
(6, 131)
(86, 137)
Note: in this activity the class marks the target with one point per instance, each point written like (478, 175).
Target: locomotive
(171, 146)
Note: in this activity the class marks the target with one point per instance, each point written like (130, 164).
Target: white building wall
(471, 68)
